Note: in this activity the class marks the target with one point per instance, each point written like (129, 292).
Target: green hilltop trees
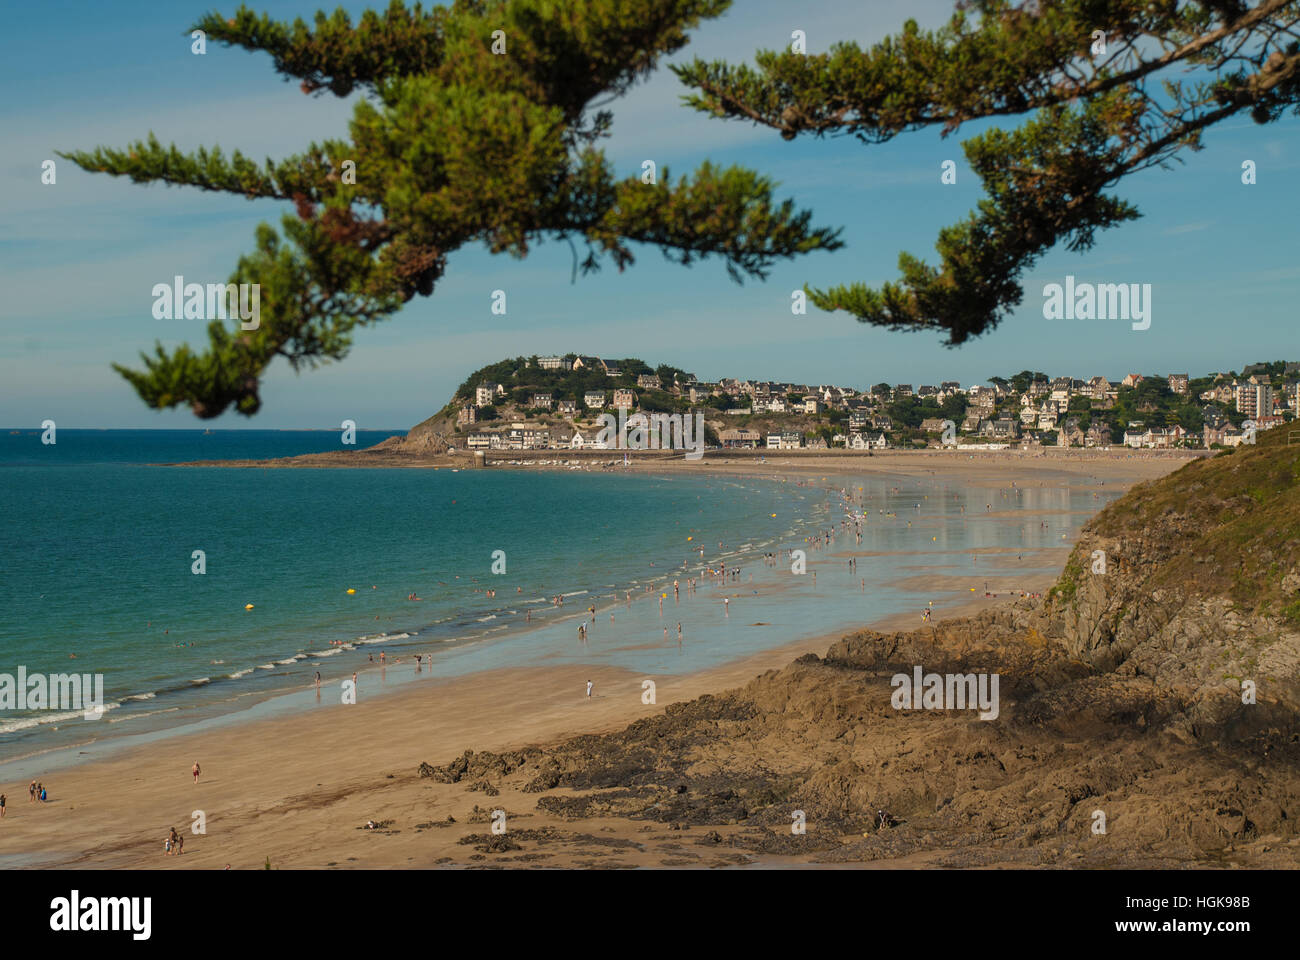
(1113, 86)
(480, 126)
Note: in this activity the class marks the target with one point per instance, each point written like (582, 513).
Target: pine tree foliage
(1095, 113)
(478, 123)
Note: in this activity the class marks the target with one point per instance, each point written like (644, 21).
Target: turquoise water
(96, 561)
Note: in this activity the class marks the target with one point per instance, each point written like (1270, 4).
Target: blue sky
(82, 256)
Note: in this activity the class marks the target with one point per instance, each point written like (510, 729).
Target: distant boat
(207, 432)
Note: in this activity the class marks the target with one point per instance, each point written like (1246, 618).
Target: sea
(201, 596)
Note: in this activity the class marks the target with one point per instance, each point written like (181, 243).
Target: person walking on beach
(2, 806)
(679, 631)
(31, 792)
(195, 771)
(588, 688)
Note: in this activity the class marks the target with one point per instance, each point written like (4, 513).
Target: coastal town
(557, 402)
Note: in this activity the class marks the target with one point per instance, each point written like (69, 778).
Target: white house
(787, 440)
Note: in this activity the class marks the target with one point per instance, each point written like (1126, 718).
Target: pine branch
(460, 144)
(1099, 118)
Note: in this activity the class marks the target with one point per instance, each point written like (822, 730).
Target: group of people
(35, 792)
(174, 843)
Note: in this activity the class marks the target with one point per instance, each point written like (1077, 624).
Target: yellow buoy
(350, 590)
(248, 606)
(774, 514)
(690, 538)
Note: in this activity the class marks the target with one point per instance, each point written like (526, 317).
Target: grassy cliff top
(1227, 525)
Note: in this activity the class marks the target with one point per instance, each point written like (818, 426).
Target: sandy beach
(997, 468)
(298, 791)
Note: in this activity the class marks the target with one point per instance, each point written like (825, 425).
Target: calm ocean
(97, 545)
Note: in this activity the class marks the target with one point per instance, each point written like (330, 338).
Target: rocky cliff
(1194, 579)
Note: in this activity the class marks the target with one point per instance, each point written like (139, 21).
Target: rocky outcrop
(1175, 772)
(1192, 581)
